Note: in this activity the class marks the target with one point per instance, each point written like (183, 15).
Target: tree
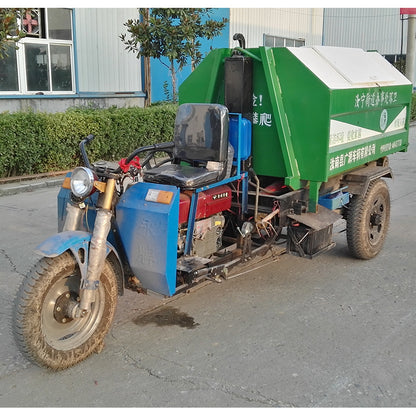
(171, 33)
(9, 30)
(147, 74)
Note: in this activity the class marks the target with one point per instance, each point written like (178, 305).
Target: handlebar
(154, 147)
(85, 141)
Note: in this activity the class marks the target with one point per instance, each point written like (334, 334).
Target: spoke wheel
(44, 327)
(368, 220)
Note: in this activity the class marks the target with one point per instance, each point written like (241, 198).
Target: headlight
(82, 182)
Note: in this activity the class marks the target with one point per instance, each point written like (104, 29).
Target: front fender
(78, 242)
(61, 242)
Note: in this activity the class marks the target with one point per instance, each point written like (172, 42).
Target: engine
(207, 237)
(209, 221)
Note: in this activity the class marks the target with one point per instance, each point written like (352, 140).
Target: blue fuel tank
(245, 148)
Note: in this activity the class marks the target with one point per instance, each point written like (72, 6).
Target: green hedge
(33, 143)
(413, 111)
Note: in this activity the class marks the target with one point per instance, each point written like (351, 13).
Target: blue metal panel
(58, 243)
(149, 234)
(68, 240)
(335, 200)
(74, 241)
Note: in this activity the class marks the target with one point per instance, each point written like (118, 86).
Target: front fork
(98, 247)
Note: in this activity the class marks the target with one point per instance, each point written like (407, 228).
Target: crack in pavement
(203, 383)
(11, 262)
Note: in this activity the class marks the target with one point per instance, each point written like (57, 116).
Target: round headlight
(82, 182)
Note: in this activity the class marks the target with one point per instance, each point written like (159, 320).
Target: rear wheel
(368, 220)
(43, 327)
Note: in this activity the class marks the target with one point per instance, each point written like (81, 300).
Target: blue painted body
(61, 242)
(73, 241)
(335, 200)
(148, 231)
(149, 234)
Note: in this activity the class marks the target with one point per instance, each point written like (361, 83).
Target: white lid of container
(341, 68)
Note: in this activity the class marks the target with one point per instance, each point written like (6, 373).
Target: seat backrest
(201, 132)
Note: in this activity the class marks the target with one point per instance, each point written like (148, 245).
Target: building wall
(61, 104)
(103, 63)
(294, 23)
(105, 74)
(367, 28)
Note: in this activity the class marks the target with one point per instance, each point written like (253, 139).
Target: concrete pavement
(17, 186)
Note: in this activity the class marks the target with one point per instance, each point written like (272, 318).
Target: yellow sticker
(165, 197)
(67, 183)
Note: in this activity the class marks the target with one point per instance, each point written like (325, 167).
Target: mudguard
(78, 243)
(61, 242)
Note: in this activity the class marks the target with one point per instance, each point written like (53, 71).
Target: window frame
(48, 42)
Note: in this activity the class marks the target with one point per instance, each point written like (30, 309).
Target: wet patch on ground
(167, 316)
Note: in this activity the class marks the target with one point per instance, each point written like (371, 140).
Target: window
(60, 26)
(8, 70)
(278, 41)
(37, 73)
(43, 63)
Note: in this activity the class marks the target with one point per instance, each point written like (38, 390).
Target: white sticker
(152, 195)
(383, 120)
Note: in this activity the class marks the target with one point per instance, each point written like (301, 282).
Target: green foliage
(42, 142)
(20, 152)
(9, 30)
(173, 34)
(413, 109)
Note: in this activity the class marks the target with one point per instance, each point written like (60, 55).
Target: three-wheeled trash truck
(271, 147)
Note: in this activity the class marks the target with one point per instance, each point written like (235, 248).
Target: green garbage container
(317, 112)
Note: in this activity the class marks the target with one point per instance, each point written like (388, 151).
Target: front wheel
(44, 330)
(368, 220)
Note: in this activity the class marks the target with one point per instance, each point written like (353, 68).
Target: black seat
(201, 148)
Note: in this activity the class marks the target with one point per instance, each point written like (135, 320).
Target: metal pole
(411, 47)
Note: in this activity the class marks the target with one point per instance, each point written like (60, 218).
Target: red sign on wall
(407, 11)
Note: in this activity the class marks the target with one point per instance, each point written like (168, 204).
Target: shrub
(42, 142)
(22, 139)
